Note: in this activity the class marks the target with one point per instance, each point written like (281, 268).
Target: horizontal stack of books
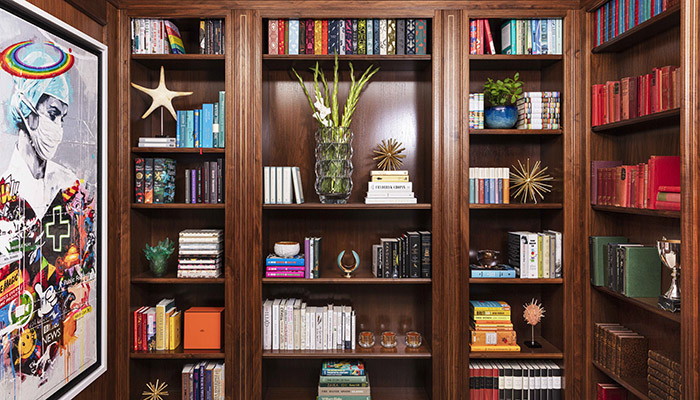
(343, 380)
(655, 185)
(285, 267)
(154, 181)
(279, 183)
(408, 256)
(200, 253)
(203, 128)
(204, 380)
(491, 271)
(205, 183)
(620, 350)
(390, 187)
(636, 96)
(536, 255)
(347, 36)
(664, 377)
(491, 327)
(476, 111)
(616, 17)
(289, 324)
(531, 36)
(157, 328)
(539, 110)
(155, 36)
(489, 185)
(158, 141)
(515, 380)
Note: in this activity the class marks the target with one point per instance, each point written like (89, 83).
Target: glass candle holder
(388, 339)
(413, 339)
(366, 339)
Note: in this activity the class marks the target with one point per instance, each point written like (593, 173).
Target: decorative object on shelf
(366, 339)
(530, 183)
(502, 95)
(156, 391)
(348, 269)
(670, 253)
(162, 97)
(533, 314)
(414, 340)
(389, 154)
(158, 256)
(488, 258)
(388, 339)
(287, 249)
(334, 138)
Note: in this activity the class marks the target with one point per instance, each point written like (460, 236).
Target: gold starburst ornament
(530, 183)
(389, 155)
(155, 391)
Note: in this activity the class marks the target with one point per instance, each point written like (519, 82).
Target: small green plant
(158, 256)
(503, 92)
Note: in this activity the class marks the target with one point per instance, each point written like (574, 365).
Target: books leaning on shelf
(347, 36)
(211, 36)
(390, 187)
(491, 326)
(610, 391)
(408, 256)
(489, 185)
(158, 327)
(279, 183)
(158, 141)
(205, 183)
(476, 111)
(531, 36)
(154, 180)
(636, 96)
(343, 379)
(614, 18)
(204, 380)
(654, 185)
(291, 324)
(480, 37)
(155, 36)
(202, 128)
(539, 110)
(620, 350)
(664, 378)
(630, 269)
(527, 379)
(200, 253)
(536, 255)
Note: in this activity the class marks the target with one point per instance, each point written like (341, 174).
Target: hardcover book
(324, 36)
(410, 36)
(139, 166)
(318, 36)
(282, 36)
(375, 36)
(370, 37)
(333, 36)
(391, 37)
(348, 36)
(310, 32)
(293, 36)
(383, 37)
(401, 36)
(421, 36)
(361, 36)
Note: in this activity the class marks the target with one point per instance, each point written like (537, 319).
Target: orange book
(324, 37)
(203, 328)
(493, 338)
(318, 33)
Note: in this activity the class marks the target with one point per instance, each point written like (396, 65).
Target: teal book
(189, 133)
(641, 271)
(178, 122)
(197, 124)
(421, 36)
(215, 125)
(596, 249)
(507, 37)
(207, 127)
(343, 368)
(222, 119)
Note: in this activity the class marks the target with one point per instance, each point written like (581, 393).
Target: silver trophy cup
(670, 253)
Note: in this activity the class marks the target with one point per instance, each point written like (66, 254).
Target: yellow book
(505, 318)
(381, 178)
(161, 310)
(514, 347)
(318, 36)
(489, 312)
(166, 334)
(539, 257)
(175, 330)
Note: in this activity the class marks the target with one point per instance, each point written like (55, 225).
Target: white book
(157, 140)
(545, 254)
(387, 186)
(338, 318)
(267, 325)
(533, 252)
(558, 253)
(286, 185)
(347, 326)
(283, 324)
(275, 324)
(375, 172)
(296, 324)
(279, 185)
(526, 380)
(157, 145)
(311, 328)
(378, 194)
(266, 185)
(296, 181)
(312, 250)
(319, 328)
(341, 36)
(383, 37)
(329, 327)
(517, 378)
(387, 200)
(302, 326)
(354, 320)
(290, 323)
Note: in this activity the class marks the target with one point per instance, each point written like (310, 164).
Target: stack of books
(200, 253)
(620, 350)
(627, 268)
(157, 141)
(390, 187)
(491, 327)
(211, 36)
(536, 255)
(285, 267)
(154, 181)
(663, 377)
(480, 38)
(476, 111)
(204, 380)
(157, 328)
(408, 256)
(155, 36)
(539, 110)
(279, 183)
(205, 183)
(343, 380)
(489, 185)
(203, 127)
(312, 251)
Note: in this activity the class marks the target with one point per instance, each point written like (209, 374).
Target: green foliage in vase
(158, 256)
(503, 92)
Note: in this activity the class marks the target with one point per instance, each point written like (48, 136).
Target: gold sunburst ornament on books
(533, 314)
(155, 391)
(389, 155)
(530, 183)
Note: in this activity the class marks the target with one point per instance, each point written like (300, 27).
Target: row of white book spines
(282, 185)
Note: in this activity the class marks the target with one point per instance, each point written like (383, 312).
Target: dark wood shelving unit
(400, 62)
(638, 211)
(176, 150)
(646, 303)
(400, 351)
(179, 61)
(515, 132)
(517, 206)
(171, 279)
(547, 351)
(515, 281)
(349, 206)
(633, 387)
(639, 122)
(653, 26)
(513, 61)
(178, 354)
(378, 393)
(346, 281)
(178, 206)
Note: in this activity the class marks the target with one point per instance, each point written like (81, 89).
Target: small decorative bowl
(388, 339)
(413, 339)
(287, 249)
(366, 339)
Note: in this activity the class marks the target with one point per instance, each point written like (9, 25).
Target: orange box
(203, 328)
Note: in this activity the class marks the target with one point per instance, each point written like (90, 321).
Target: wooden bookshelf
(513, 61)
(515, 132)
(648, 304)
(347, 281)
(638, 123)
(176, 150)
(638, 389)
(179, 206)
(638, 211)
(515, 281)
(178, 354)
(349, 206)
(379, 393)
(400, 351)
(547, 351)
(517, 206)
(640, 33)
(171, 278)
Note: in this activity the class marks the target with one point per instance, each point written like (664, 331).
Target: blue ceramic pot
(501, 117)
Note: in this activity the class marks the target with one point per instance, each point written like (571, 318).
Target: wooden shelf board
(404, 62)
(517, 206)
(349, 206)
(639, 122)
(638, 211)
(378, 393)
(646, 303)
(547, 351)
(516, 281)
(515, 132)
(178, 354)
(348, 57)
(633, 388)
(651, 27)
(171, 150)
(400, 351)
(180, 61)
(178, 206)
(171, 279)
(346, 281)
(486, 62)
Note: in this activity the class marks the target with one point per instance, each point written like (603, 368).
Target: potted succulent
(502, 95)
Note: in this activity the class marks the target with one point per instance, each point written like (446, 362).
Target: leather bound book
(609, 391)
(632, 352)
(324, 36)
(310, 32)
(663, 389)
(642, 272)
(272, 36)
(598, 340)
(664, 374)
(665, 360)
(361, 36)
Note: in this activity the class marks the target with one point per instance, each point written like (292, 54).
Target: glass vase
(333, 164)
(159, 266)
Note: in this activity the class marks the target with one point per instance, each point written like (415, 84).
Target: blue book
(471, 191)
(297, 260)
(197, 124)
(178, 122)
(215, 125)
(370, 39)
(507, 272)
(293, 36)
(189, 130)
(536, 44)
(333, 36)
(209, 380)
(202, 366)
(222, 119)
(487, 191)
(493, 184)
(499, 191)
(207, 127)
(375, 40)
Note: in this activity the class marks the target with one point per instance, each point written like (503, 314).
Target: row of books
(279, 183)
(631, 269)
(347, 36)
(203, 128)
(539, 110)
(155, 36)
(491, 328)
(620, 350)
(157, 328)
(527, 379)
(211, 36)
(655, 185)
(664, 378)
(390, 187)
(204, 380)
(618, 16)
(531, 36)
(343, 380)
(636, 96)
(476, 111)
(154, 181)
(536, 255)
(200, 253)
(408, 256)
(489, 185)
(291, 324)
(205, 183)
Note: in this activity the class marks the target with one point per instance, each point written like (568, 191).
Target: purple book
(309, 36)
(595, 166)
(307, 253)
(193, 183)
(348, 36)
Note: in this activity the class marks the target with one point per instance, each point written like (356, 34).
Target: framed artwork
(53, 251)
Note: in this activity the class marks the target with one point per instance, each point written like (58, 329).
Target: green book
(596, 250)
(222, 119)
(342, 379)
(641, 271)
(391, 37)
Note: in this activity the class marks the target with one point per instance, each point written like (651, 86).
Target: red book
(676, 87)
(621, 186)
(633, 85)
(607, 90)
(282, 27)
(663, 171)
(668, 196)
(670, 189)
(479, 36)
(136, 328)
(594, 106)
(609, 391)
(666, 91)
(625, 98)
(472, 36)
(616, 104)
(596, 167)
(655, 81)
(668, 205)
(489, 39)
(647, 93)
(640, 186)
(309, 36)
(632, 192)
(324, 38)
(481, 191)
(640, 96)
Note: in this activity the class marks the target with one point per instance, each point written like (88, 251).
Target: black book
(556, 381)
(403, 268)
(508, 387)
(213, 188)
(426, 254)
(375, 38)
(395, 259)
(387, 254)
(531, 380)
(400, 36)
(414, 255)
(538, 382)
(517, 382)
(501, 382)
(302, 36)
(205, 182)
(220, 180)
(188, 186)
(472, 378)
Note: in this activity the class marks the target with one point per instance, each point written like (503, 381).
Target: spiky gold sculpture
(533, 314)
(155, 391)
(526, 182)
(389, 155)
